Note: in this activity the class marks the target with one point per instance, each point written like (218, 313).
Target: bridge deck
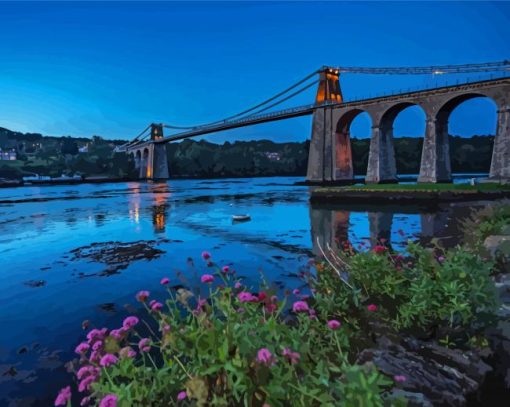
(309, 109)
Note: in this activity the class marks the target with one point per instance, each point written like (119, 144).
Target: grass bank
(409, 193)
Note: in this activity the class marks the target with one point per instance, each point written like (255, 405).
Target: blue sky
(112, 68)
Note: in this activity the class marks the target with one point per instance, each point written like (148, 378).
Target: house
(8, 154)
(272, 156)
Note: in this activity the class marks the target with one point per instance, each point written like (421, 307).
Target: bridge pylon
(329, 86)
(156, 131)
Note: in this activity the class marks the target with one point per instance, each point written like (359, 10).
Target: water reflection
(159, 213)
(365, 227)
(380, 228)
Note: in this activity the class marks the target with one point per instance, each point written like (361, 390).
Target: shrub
(240, 347)
(237, 347)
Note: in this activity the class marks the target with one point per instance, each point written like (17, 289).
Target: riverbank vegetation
(228, 344)
(95, 156)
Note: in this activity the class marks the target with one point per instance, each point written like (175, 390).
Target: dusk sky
(111, 68)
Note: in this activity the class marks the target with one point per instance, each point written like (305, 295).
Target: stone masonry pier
(330, 156)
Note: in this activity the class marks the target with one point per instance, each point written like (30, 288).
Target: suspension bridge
(330, 157)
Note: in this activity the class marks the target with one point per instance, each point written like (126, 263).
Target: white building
(8, 154)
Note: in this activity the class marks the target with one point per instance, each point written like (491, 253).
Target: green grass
(427, 187)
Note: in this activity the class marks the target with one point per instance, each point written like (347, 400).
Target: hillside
(45, 155)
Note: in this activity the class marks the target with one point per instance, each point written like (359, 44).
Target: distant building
(84, 149)
(272, 156)
(8, 154)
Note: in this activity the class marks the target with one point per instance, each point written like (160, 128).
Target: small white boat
(241, 218)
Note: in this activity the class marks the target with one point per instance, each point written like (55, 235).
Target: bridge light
(437, 72)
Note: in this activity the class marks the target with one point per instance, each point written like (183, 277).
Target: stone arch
(342, 141)
(145, 170)
(138, 158)
(444, 113)
(436, 161)
(386, 128)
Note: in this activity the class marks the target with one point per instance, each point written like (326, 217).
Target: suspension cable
(284, 99)
(247, 110)
(423, 70)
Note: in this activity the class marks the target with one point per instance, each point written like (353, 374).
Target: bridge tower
(150, 157)
(156, 131)
(330, 155)
(329, 86)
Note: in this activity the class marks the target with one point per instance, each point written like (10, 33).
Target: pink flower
(127, 352)
(271, 307)
(295, 291)
(141, 296)
(379, 249)
(334, 324)
(292, 357)
(130, 322)
(440, 259)
(97, 345)
(225, 269)
(265, 357)
(96, 334)
(165, 328)
(200, 304)
(182, 395)
(237, 285)
(144, 345)
(300, 306)
(118, 334)
(108, 360)
(64, 395)
(84, 401)
(87, 371)
(207, 278)
(244, 296)
(400, 378)
(372, 307)
(82, 348)
(109, 400)
(156, 306)
(206, 255)
(94, 356)
(165, 281)
(84, 385)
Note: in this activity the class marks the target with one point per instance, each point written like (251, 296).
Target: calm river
(48, 288)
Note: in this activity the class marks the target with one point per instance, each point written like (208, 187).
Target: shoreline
(418, 195)
(93, 180)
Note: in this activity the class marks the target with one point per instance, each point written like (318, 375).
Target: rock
(413, 399)
(117, 255)
(499, 340)
(440, 376)
(498, 247)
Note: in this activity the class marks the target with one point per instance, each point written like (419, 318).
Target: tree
(68, 146)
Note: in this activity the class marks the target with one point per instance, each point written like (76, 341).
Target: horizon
(108, 69)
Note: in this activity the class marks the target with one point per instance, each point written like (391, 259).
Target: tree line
(202, 159)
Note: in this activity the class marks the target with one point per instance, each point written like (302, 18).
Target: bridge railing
(426, 87)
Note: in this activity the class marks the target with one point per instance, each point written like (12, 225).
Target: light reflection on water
(40, 226)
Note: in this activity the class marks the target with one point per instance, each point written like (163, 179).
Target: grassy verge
(426, 187)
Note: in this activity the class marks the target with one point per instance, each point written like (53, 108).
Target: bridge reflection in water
(334, 226)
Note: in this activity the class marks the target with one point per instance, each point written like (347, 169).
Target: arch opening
(403, 129)
(358, 122)
(467, 124)
(146, 170)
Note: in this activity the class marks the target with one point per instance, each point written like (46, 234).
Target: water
(46, 292)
